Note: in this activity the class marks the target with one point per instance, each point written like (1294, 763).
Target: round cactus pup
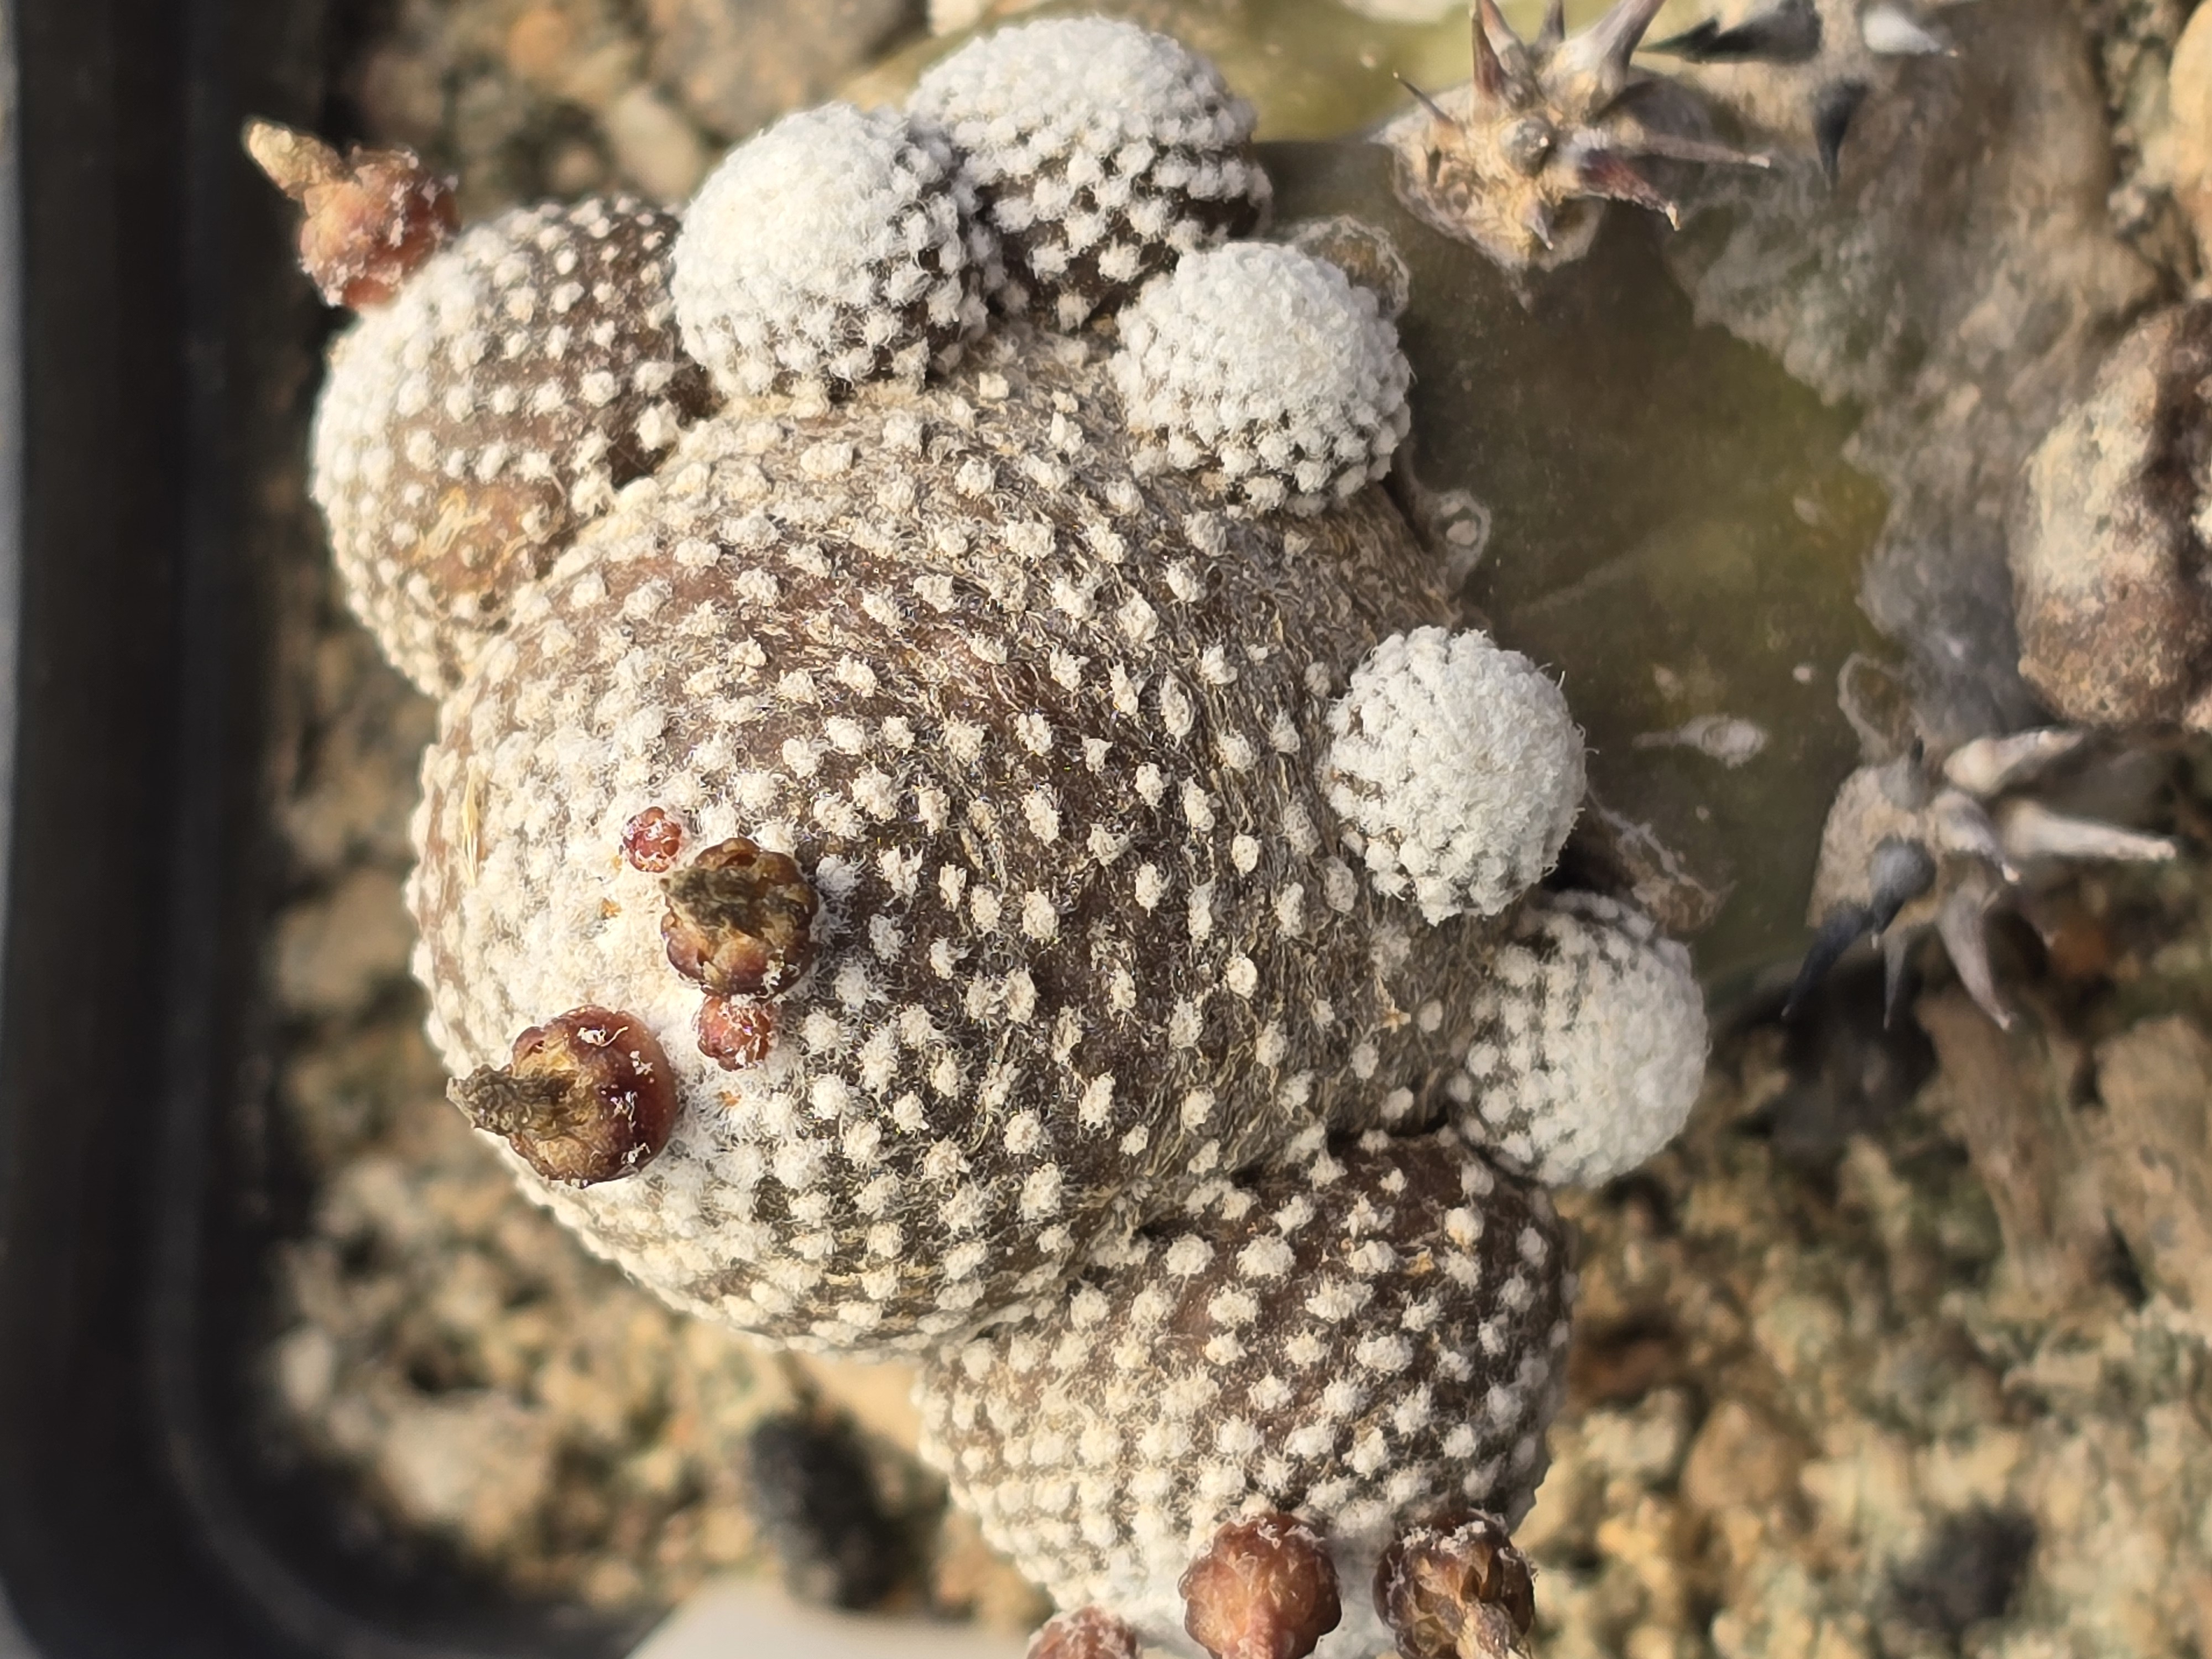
(1458, 766)
(1266, 369)
(1102, 151)
(1589, 1043)
(836, 247)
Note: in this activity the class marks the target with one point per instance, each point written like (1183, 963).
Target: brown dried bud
(373, 217)
(1084, 1633)
(1265, 1588)
(651, 840)
(587, 1098)
(740, 919)
(1457, 1590)
(735, 1032)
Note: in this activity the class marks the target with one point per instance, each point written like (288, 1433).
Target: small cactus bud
(735, 1032)
(738, 920)
(1455, 1590)
(1265, 1588)
(1084, 1633)
(586, 1098)
(372, 215)
(651, 840)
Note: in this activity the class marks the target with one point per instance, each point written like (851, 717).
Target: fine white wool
(1086, 82)
(1268, 366)
(1459, 764)
(1590, 1042)
(833, 247)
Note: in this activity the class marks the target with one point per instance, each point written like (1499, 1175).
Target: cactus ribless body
(1026, 797)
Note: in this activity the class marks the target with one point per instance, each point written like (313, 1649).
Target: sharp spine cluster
(1519, 160)
(1912, 845)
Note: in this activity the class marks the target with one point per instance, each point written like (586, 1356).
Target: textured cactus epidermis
(1047, 740)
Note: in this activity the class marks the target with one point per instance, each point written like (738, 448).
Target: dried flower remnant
(1456, 1589)
(652, 841)
(1520, 160)
(1101, 152)
(588, 1097)
(371, 217)
(740, 919)
(1265, 1588)
(735, 1032)
(1084, 1633)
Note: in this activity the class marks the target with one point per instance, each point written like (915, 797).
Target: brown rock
(735, 64)
(2189, 95)
(1740, 1459)
(2156, 1084)
(2107, 546)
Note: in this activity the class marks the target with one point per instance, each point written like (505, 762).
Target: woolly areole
(1265, 365)
(835, 248)
(1459, 765)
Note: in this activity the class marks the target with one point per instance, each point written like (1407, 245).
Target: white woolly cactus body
(896, 883)
(1266, 367)
(1102, 151)
(1459, 767)
(835, 248)
(1589, 1042)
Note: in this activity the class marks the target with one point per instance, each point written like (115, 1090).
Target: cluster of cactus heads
(973, 837)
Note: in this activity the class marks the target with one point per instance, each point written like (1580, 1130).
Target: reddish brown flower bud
(588, 1096)
(735, 1032)
(740, 919)
(1455, 1590)
(373, 217)
(1265, 1588)
(651, 840)
(1084, 1633)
